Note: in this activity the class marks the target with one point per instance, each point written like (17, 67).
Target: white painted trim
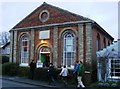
(44, 52)
(87, 72)
(24, 65)
(114, 77)
(66, 23)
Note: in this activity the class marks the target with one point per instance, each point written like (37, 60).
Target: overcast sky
(104, 12)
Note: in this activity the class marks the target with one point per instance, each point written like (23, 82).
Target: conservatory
(108, 63)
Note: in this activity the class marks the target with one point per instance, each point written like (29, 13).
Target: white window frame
(110, 68)
(68, 35)
(24, 60)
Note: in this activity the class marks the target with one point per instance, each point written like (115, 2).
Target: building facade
(51, 34)
(6, 49)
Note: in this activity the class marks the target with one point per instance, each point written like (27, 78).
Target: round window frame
(40, 16)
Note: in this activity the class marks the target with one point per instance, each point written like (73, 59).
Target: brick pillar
(88, 43)
(55, 46)
(80, 42)
(15, 47)
(88, 48)
(32, 45)
(11, 46)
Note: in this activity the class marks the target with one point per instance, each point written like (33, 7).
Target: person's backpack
(81, 70)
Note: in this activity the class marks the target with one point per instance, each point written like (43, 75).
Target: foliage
(108, 84)
(13, 69)
(23, 72)
(10, 69)
(5, 59)
(41, 73)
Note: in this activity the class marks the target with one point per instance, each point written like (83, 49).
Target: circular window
(44, 16)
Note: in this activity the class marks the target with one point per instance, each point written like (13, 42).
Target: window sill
(24, 65)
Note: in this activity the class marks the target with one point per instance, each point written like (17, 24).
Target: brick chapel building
(51, 34)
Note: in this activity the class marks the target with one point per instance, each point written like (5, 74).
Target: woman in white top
(64, 74)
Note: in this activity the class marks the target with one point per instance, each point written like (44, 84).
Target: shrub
(10, 69)
(41, 74)
(13, 69)
(5, 59)
(23, 72)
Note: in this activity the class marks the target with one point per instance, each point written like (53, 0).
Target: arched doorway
(44, 56)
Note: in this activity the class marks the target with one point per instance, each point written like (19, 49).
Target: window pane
(69, 62)
(69, 42)
(24, 49)
(115, 67)
(68, 49)
(69, 55)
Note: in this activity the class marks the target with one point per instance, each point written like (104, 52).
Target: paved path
(45, 84)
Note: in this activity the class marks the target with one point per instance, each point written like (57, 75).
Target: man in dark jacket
(51, 73)
(32, 68)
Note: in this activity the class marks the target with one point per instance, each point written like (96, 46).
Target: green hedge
(23, 72)
(5, 59)
(10, 69)
(13, 69)
(41, 74)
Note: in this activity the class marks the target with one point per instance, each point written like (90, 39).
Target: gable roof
(57, 15)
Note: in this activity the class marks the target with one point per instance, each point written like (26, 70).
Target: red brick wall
(94, 37)
(56, 16)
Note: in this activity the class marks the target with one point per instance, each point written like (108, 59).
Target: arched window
(98, 42)
(24, 46)
(68, 49)
(108, 43)
(104, 41)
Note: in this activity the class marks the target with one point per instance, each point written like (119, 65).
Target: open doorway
(44, 56)
(45, 59)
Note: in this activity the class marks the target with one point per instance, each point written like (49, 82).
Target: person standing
(75, 71)
(32, 68)
(51, 73)
(80, 72)
(64, 73)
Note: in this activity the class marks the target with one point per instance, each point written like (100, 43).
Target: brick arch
(39, 46)
(43, 44)
(23, 33)
(68, 29)
(98, 38)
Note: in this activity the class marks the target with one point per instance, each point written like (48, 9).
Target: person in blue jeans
(75, 71)
(79, 70)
